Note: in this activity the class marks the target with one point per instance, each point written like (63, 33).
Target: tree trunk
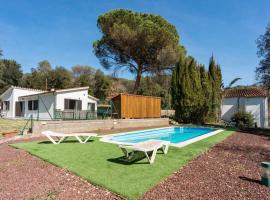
(138, 80)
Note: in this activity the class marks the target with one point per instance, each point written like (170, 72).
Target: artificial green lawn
(99, 163)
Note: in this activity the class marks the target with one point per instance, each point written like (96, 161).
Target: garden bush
(243, 119)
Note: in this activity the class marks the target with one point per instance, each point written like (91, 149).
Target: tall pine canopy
(141, 43)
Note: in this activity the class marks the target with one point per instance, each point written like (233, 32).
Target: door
(19, 109)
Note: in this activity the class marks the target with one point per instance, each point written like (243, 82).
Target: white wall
(18, 92)
(256, 105)
(228, 108)
(13, 96)
(50, 101)
(8, 97)
(45, 107)
(76, 95)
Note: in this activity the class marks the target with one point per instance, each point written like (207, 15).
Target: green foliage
(52, 195)
(139, 42)
(102, 85)
(157, 86)
(233, 82)
(263, 44)
(243, 119)
(40, 77)
(60, 78)
(195, 92)
(216, 84)
(44, 67)
(44, 77)
(83, 75)
(10, 74)
(130, 181)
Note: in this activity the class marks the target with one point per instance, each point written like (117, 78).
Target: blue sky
(62, 31)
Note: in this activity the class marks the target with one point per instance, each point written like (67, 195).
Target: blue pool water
(172, 134)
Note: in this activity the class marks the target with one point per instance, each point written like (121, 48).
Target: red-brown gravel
(230, 170)
(23, 176)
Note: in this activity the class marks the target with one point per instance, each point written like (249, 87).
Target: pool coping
(106, 138)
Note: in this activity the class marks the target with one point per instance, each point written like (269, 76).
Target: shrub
(243, 119)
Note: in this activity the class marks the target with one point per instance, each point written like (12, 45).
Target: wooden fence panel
(137, 106)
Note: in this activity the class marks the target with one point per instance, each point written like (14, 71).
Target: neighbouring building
(17, 102)
(252, 100)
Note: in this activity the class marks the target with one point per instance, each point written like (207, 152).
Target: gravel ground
(23, 176)
(230, 170)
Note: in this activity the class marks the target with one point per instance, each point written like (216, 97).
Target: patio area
(231, 168)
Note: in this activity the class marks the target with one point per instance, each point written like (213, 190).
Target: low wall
(91, 125)
(167, 112)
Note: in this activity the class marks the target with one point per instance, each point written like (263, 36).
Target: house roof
(62, 91)
(91, 97)
(246, 92)
(70, 89)
(30, 89)
(21, 88)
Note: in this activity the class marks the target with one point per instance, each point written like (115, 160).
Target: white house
(47, 105)
(10, 104)
(252, 100)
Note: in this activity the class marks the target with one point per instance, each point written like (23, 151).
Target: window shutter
(66, 107)
(29, 105)
(79, 105)
(35, 105)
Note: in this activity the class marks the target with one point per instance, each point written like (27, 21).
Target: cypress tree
(206, 90)
(196, 93)
(215, 78)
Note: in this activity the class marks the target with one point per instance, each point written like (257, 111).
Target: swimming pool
(178, 136)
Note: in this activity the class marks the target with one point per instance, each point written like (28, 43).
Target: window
(71, 104)
(5, 105)
(91, 106)
(33, 105)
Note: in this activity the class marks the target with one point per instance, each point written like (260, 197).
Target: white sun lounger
(81, 137)
(149, 146)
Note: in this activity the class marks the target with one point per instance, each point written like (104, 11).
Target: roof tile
(247, 92)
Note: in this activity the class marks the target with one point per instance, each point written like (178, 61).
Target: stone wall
(167, 112)
(91, 125)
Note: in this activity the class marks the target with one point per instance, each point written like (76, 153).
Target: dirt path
(23, 176)
(230, 170)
